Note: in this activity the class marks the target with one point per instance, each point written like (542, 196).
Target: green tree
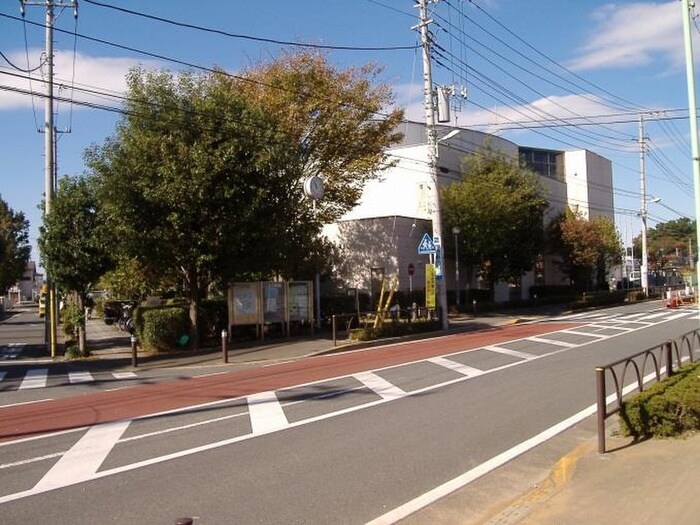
(205, 177)
(329, 123)
(72, 242)
(14, 246)
(668, 243)
(588, 248)
(499, 207)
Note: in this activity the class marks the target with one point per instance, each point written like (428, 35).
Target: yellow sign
(430, 286)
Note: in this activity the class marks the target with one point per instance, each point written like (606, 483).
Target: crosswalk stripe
(123, 375)
(34, 378)
(80, 377)
(552, 342)
(379, 385)
(508, 351)
(465, 370)
(266, 413)
(591, 334)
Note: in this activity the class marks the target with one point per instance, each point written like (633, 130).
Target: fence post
(669, 359)
(224, 350)
(335, 339)
(134, 354)
(602, 407)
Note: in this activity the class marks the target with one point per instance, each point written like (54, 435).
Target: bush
(668, 408)
(393, 329)
(71, 317)
(163, 328)
(73, 352)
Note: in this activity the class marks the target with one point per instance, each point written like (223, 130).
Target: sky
(556, 74)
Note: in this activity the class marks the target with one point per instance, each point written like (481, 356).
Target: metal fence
(658, 361)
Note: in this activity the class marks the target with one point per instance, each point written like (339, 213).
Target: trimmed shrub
(393, 329)
(71, 317)
(163, 328)
(668, 408)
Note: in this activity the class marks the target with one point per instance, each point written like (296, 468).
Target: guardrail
(661, 358)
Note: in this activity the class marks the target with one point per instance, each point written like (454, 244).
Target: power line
(249, 37)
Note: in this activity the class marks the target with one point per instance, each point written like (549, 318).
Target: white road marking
(508, 351)
(83, 459)
(587, 334)
(379, 385)
(34, 378)
(554, 342)
(266, 413)
(465, 370)
(80, 377)
(490, 465)
(652, 316)
(124, 375)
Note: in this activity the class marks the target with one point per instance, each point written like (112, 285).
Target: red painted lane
(73, 412)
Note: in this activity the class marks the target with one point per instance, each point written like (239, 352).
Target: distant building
(27, 289)
(379, 237)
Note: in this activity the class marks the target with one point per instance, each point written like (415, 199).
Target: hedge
(393, 329)
(668, 408)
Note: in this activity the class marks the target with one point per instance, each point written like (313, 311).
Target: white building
(379, 237)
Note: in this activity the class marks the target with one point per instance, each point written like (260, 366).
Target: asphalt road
(378, 435)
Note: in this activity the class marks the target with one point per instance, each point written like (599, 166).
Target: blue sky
(588, 67)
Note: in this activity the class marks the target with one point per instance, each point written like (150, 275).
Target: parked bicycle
(126, 321)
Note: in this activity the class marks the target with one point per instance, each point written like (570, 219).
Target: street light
(455, 231)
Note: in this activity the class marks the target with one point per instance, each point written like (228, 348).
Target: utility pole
(50, 141)
(643, 210)
(693, 118)
(432, 161)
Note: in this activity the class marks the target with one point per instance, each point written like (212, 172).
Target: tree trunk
(194, 312)
(81, 325)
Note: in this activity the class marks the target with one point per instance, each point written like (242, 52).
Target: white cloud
(570, 108)
(98, 76)
(628, 35)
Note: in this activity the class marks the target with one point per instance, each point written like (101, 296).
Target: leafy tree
(588, 248)
(205, 177)
(668, 243)
(72, 241)
(14, 246)
(499, 207)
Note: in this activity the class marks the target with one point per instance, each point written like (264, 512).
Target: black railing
(659, 358)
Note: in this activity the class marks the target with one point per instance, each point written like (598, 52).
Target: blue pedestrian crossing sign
(426, 245)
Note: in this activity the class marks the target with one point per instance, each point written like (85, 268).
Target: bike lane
(91, 409)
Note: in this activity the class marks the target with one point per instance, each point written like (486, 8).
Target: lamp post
(455, 231)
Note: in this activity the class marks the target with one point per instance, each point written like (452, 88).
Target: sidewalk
(654, 481)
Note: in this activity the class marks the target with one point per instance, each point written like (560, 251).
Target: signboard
(300, 301)
(426, 246)
(430, 286)
(245, 298)
(274, 302)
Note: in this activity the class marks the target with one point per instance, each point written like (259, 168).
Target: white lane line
(677, 316)
(508, 351)
(124, 375)
(612, 327)
(379, 385)
(80, 377)
(84, 458)
(652, 316)
(34, 378)
(587, 334)
(266, 413)
(552, 342)
(422, 501)
(465, 370)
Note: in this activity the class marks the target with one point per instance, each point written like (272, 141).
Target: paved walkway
(654, 481)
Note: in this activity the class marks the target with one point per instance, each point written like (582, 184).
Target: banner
(430, 286)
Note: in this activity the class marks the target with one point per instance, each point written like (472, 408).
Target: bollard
(224, 350)
(184, 521)
(474, 306)
(134, 356)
